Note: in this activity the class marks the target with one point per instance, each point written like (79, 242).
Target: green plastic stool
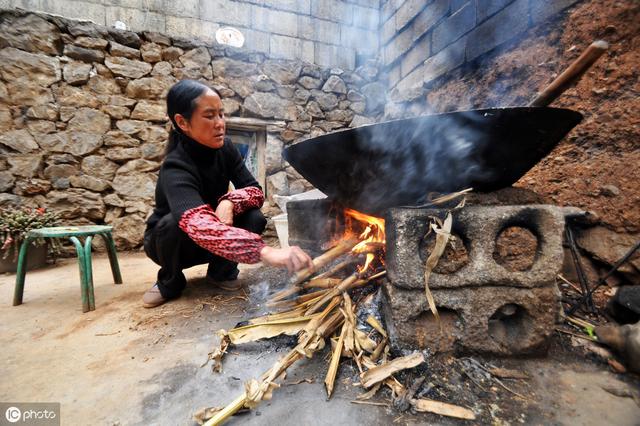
(84, 258)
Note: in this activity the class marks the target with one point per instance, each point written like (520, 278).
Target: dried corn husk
(253, 332)
(381, 372)
(335, 361)
(442, 408)
(443, 232)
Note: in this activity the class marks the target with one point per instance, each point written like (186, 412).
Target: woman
(195, 219)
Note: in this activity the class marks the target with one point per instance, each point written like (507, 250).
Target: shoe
(230, 286)
(153, 298)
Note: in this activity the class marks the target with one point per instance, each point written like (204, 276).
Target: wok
(375, 167)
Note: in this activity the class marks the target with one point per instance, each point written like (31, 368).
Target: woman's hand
(293, 258)
(224, 211)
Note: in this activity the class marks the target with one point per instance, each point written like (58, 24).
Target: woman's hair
(181, 99)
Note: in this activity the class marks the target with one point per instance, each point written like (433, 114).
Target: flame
(373, 234)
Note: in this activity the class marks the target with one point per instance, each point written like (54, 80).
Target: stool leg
(113, 258)
(88, 272)
(83, 275)
(21, 272)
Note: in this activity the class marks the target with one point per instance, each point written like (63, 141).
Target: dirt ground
(123, 364)
(596, 166)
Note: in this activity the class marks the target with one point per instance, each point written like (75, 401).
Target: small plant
(16, 223)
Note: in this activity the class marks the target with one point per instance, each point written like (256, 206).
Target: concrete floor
(123, 364)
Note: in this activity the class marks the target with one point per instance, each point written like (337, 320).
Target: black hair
(181, 99)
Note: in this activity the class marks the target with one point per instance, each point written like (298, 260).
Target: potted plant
(15, 223)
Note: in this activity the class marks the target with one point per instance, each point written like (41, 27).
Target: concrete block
(388, 30)
(398, 46)
(445, 60)
(256, 40)
(74, 10)
(135, 19)
(318, 30)
(189, 27)
(487, 8)
(389, 9)
(457, 4)
(541, 10)
(478, 227)
(335, 56)
(395, 75)
(275, 21)
(419, 52)
(226, 12)
(453, 27)
(308, 51)
(407, 12)
(332, 10)
(410, 87)
(501, 321)
(284, 47)
(430, 16)
(363, 41)
(503, 26)
(184, 8)
(365, 17)
(300, 6)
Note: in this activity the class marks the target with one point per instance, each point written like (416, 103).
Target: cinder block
(398, 46)
(183, 8)
(256, 40)
(419, 52)
(407, 12)
(275, 22)
(189, 27)
(363, 41)
(430, 16)
(226, 12)
(388, 30)
(74, 10)
(332, 10)
(541, 10)
(445, 60)
(486, 8)
(321, 30)
(389, 9)
(284, 47)
(365, 17)
(136, 20)
(308, 51)
(300, 6)
(410, 87)
(503, 26)
(452, 28)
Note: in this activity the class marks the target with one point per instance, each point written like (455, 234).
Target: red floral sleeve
(244, 199)
(203, 226)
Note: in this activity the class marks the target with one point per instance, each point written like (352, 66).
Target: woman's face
(207, 125)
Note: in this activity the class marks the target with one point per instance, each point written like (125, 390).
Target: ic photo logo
(13, 414)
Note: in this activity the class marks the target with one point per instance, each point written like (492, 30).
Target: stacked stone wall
(83, 124)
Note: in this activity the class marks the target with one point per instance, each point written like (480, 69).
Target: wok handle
(571, 75)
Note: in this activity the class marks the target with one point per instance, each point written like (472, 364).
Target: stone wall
(83, 123)
(424, 40)
(324, 32)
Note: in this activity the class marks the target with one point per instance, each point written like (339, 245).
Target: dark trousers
(168, 246)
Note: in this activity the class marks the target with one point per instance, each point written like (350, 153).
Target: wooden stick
(343, 286)
(321, 283)
(571, 75)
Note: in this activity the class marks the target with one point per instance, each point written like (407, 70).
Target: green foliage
(15, 223)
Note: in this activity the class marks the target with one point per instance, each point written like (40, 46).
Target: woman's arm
(248, 194)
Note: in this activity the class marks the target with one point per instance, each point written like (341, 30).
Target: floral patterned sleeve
(238, 245)
(244, 199)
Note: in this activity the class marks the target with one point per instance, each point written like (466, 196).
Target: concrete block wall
(423, 40)
(325, 32)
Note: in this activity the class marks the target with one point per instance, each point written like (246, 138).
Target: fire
(372, 239)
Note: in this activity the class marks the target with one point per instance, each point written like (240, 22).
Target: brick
(452, 28)
(430, 16)
(407, 12)
(135, 19)
(300, 6)
(486, 8)
(365, 17)
(318, 30)
(541, 10)
(225, 12)
(274, 21)
(416, 56)
(256, 40)
(362, 40)
(445, 60)
(388, 30)
(332, 10)
(184, 8)
(503, 26)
